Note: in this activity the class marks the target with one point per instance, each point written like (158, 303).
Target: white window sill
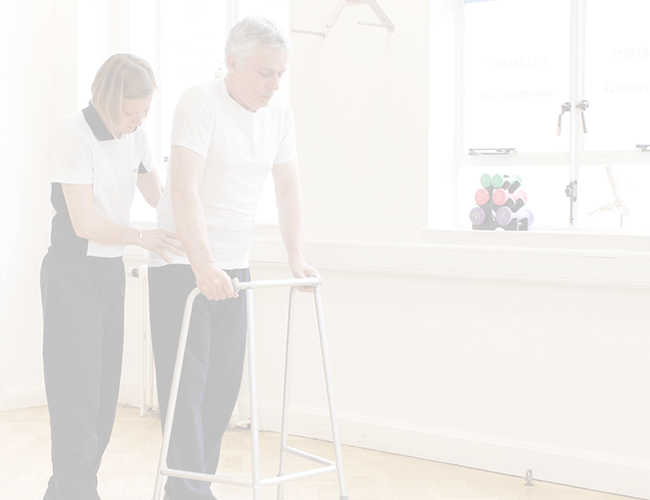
(581, 259)
(559, 239)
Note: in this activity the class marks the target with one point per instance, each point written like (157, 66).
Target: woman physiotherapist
(96, 158)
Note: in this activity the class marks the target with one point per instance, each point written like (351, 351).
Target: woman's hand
(158, 240)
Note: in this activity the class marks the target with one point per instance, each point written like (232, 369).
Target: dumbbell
(477, 216)
(481, 220)
(505, 216)
(501, 197)
(517, 200)
(497, 181)
(482, 197)
(484, 201)
(511, 183)
(520, 194)
(486, 180)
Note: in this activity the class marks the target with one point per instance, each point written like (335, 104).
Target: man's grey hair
(251, 31)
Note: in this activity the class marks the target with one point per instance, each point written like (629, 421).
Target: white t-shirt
(83, 151)
(240, 148)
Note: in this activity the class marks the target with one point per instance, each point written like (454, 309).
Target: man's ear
(231, 63)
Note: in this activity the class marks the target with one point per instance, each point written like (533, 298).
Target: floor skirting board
(552, 464)
(582, 469)
(24, 397)
(28, 397)
(130, 394)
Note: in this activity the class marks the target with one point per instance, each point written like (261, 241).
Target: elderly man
(227, 136)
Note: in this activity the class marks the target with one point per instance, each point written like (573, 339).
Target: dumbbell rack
(499, 205)
(256, 482)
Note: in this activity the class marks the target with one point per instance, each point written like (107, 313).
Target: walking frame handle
(312, 280)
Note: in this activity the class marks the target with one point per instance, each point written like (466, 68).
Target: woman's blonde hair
(122, 76)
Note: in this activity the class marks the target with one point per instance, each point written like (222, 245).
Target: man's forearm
(291, 224)
(292, 231)
(191, 228)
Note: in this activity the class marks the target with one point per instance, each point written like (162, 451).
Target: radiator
(139, 299)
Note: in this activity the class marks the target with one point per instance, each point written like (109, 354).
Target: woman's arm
(88, 224)
(150, 186)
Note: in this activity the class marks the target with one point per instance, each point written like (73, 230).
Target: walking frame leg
(252, 381)
(173, 394)
(287, 387)
(330, 392)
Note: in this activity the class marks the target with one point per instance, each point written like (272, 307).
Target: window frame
(574, 159)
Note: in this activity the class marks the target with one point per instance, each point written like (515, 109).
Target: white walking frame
(256, 482)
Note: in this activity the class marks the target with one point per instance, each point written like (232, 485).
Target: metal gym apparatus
(256, 482)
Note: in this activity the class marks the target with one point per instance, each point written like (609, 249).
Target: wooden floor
(131, 458)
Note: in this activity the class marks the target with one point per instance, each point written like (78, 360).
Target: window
(556, 92)
(184, 42)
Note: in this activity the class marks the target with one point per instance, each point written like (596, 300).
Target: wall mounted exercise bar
(379, 12)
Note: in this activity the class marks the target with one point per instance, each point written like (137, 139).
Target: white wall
(38, 55)
(39, 87)
(438, 355)
(361, 104)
